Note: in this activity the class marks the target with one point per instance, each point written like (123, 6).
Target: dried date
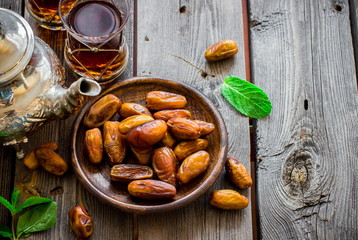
(114, 143)
(102, 111)
(186, 148)
(205, 127)
(80, 222)
(131, 122)
(151, 189)
(142, 155)
(30, 159)
(94, 145)
(221, 50)
(159, 100)
(131, 109)
(184, 128)
(193, 166)
(237, 173)
(51, 161)
(147, 134)
(228, 200)
(130, 172)
(165, 165)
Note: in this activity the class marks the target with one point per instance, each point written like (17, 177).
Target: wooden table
(303, 156)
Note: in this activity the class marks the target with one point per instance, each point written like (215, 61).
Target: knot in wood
(182, 9)
(338, 7)
(57, 190)
(297, 173)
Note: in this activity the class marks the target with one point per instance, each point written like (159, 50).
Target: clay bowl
(96, 178)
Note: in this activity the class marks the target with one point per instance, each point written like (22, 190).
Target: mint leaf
(15, 197)
(40, 215)
(245, 97)
(8, 205)
(5, 231)
(38, 218)
(31, 201)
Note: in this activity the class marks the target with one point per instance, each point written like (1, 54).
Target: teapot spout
(84, 87)
(63, 103)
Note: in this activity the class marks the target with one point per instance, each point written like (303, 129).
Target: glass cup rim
(75, 34)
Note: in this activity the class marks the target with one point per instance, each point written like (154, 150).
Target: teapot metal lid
(16, 45)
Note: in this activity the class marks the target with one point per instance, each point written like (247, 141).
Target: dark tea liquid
(44, 10)
(95, 22)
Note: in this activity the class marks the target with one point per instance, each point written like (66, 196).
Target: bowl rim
(168, 206)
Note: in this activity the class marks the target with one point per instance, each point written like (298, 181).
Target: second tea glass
(45, 12)
(95, 44)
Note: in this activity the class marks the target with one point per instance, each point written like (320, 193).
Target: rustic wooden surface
(167, 39)
(177, 33)
(353, 7)
(307, 176)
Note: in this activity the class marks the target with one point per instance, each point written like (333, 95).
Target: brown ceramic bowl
(96, 177)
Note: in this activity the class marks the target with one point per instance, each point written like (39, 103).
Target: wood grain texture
(302, 56)
(7, 165)
(7, 155)
(353, 7)
(66, 190)
(16, 6)
(172, 38)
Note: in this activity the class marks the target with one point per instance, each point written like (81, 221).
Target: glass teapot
(30, 83)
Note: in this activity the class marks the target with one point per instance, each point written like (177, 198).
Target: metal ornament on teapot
(31, 79)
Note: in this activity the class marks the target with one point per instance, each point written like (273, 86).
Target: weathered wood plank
(172, 38)
(302, 56)
(356, 8)
(353, 4)
(7, 155)
(66, 190)
(7, 164)
(16, 6)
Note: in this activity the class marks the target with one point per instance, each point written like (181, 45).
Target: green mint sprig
(246, 98)
(33, 215)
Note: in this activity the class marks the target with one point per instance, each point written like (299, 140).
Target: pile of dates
(46, 156)
(168, 146)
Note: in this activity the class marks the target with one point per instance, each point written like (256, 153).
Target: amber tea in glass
(46, 12)
(95, 45)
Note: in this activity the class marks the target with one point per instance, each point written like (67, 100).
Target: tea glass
(45, 12)
(95, 46)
